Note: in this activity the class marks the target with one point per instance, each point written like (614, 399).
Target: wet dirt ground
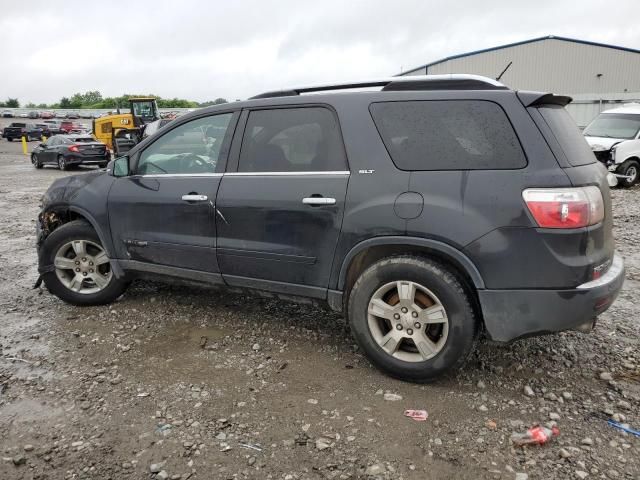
(180, 382)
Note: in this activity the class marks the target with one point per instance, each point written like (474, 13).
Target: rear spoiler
(536, 99)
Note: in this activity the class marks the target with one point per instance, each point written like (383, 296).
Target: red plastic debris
(417, 415)
(537, 435)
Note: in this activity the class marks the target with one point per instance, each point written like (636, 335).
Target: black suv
(428, 209)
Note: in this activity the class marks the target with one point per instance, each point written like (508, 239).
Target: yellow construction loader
(120, 131)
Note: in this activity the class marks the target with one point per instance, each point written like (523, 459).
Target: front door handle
(319, 201)
(194, 198)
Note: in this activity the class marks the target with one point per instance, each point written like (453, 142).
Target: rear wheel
(62, 163)
(9, 139)
(35, 161)
(82, 272)
(412, 318)
(631, 170)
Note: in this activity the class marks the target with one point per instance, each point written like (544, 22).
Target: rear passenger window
(448, 135)
(292, 140)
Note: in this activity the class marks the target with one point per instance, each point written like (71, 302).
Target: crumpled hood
(599, 144)
(65, 189)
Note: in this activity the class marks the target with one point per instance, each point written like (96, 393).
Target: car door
(162, 216)
(279, 213)
(48, 154)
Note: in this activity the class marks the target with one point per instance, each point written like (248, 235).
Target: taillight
(565, 207)
(73, 148)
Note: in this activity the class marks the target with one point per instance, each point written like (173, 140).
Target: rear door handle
(194, 198)
(319, 201)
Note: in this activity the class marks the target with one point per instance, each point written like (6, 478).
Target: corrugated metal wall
(596, 77)
(555, 66)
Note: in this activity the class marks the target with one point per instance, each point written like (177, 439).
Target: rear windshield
(21, 125)
(564, 128)
(83, 140)
(448, 135)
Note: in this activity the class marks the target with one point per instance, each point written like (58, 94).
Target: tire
(103, 165)
(81, 232)
(9, 139)
(62, 163)
(450, 341)
(36, 161)
(630, 168)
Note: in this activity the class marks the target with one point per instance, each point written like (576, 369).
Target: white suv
(614, 137)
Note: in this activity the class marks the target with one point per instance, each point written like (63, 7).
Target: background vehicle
(61, 115)
(33, 114)
(614, 137)
(54, 126)
(67, 151)
(17, 130)
(85, 114)
(47, 115)
(7, 114)
(46, 129)
(408, 208)
(23, 115)
(123, 130)
(72, 115)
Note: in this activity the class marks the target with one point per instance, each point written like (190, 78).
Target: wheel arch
(58, 215)
(368, 251)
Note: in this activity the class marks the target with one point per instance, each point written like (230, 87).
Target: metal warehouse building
(596, 75)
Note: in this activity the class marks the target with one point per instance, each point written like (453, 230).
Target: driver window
(191, 148)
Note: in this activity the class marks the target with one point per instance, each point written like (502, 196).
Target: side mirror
(118, 167)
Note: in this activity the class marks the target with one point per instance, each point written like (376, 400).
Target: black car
(17, 130)
(428, 209)
(67, 151)
(46, 129)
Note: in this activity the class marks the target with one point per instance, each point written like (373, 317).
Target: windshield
(144, 109)
(614, 125)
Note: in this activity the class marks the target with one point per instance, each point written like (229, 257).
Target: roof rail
(414, 82)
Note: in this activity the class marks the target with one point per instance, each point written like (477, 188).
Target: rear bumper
(512, 314)
(88, 160)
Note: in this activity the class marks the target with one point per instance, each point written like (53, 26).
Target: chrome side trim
(179, 175)
(616, 268)
(241, 174)
(283, 174)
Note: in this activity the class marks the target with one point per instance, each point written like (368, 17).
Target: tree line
(94, 99)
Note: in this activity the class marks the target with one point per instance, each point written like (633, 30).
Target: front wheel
(82, 273)
(36, 161)
(631, 170)
(412, 318)
(62, 163)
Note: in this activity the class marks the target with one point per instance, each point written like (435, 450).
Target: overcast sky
(201, 50)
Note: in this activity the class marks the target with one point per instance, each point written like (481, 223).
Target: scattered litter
(143, 394)
(16, 358)
(536, 435)
(250, 447)
(164, 429)
(491, 424)
(624, 428)
(417, 415)
(392, 397)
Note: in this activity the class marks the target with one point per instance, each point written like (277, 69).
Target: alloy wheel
(408, 321)
(83, 266)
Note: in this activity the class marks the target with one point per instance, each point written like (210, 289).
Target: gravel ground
(178, 382)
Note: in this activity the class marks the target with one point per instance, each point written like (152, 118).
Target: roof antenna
(503, 71)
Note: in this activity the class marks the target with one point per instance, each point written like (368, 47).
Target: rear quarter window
(448, 135)
(566, 132)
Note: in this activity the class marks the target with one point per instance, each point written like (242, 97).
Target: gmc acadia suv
(428, 209)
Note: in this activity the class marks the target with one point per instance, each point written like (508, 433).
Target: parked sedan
(7, 114)
(67, 151)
